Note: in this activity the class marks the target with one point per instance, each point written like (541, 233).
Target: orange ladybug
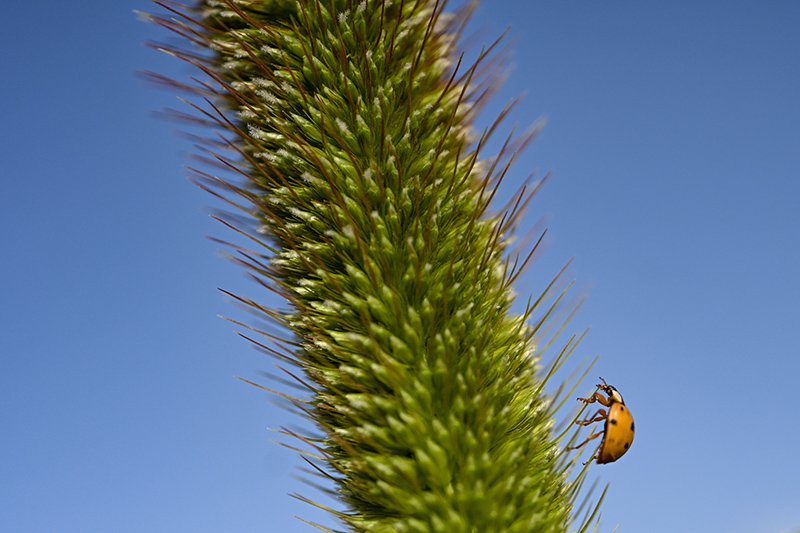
(618, 429)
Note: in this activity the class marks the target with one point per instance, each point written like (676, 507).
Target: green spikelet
(351, 153)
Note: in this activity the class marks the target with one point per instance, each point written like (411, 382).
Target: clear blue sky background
(674, 139)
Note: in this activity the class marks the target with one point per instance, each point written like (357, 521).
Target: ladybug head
(613, 394)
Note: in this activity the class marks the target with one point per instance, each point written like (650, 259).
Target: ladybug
(618, 429)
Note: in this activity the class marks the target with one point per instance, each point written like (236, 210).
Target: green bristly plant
(348, 151)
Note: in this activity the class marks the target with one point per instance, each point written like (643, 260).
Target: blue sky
(673, 134)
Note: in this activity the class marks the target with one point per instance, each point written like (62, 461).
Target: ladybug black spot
(627, 444)
(613, 421)
(631, 426)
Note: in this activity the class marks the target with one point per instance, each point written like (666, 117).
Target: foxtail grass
(346, 151)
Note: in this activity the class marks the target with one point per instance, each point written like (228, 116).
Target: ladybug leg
(591, 399)
(600, 415)
(596, 397)
(587, 440)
